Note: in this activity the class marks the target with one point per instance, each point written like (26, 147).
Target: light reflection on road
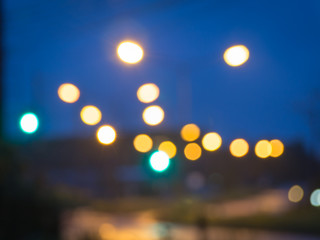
(143, 226)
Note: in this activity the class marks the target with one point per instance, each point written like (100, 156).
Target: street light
(29, 123)
(130, 52)
(159, 161)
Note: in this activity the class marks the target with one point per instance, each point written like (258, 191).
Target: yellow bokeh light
(130, 52)
(277, 148)
(239, 147)
(211, 141)
(153, 115)
(106, 134)
(90, 115)
(263, 149)
(107, 231)
(192, 151)
(295, 194)
(236, 55)
(190, 132)
(142, 143)
(169, 148)
(148, 93)
(68, 93)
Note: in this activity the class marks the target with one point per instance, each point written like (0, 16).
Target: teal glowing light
(315, 198)
(159, 161)
(29, 123)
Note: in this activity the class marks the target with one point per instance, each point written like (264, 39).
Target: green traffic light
(159, 161)
(29, 123)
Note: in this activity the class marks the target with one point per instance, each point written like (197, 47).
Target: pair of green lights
(159, 160)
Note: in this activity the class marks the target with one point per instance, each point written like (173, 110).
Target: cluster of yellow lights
(236, 55)
(190, 132)
(211, 141)
(90, 115)
(142, 143)
(68, 93)
(106, 134)
(192, 151)
(295, 194)
(264, 148)
(148, 93)
(169, 148)
(153, 115)
(239, 147)
(130, 52)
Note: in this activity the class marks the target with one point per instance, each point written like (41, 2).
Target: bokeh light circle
(277, 148)
(236, 55)
(106, 134)
(90, 115)
(159, 161)
(153, 115)
(29, 123)
(192, 151)
(68, 93)
(263, 149)
(239, 147)
(142, 143)
(295, 194)
(130, 52)
(211, 141)
(169, 148)
(148, 93)
(190, 132)
(315, 198)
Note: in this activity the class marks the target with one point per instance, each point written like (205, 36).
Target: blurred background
(159, 119)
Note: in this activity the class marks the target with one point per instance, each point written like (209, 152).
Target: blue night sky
(48, 43)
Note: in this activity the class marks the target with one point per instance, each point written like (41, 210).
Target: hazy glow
(236, 55)
(68, 93)
(159, 161)
(107, 231)
(195, 180)
(169, 148)
(211, 141)
(239, 147)
(263, 149)
(277, 148)
(130, 52)
(148, 93)
(106, 134)
(142, 143)
(90, 115)
(315, 198)
(190, 132)
(29, 123)
(295, 194)
(192, 151)
(153, 115)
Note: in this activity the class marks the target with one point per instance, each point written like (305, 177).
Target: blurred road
(87, 224)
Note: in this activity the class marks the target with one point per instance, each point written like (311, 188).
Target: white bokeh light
(159, 161)
(130, 52)
(29, 123)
